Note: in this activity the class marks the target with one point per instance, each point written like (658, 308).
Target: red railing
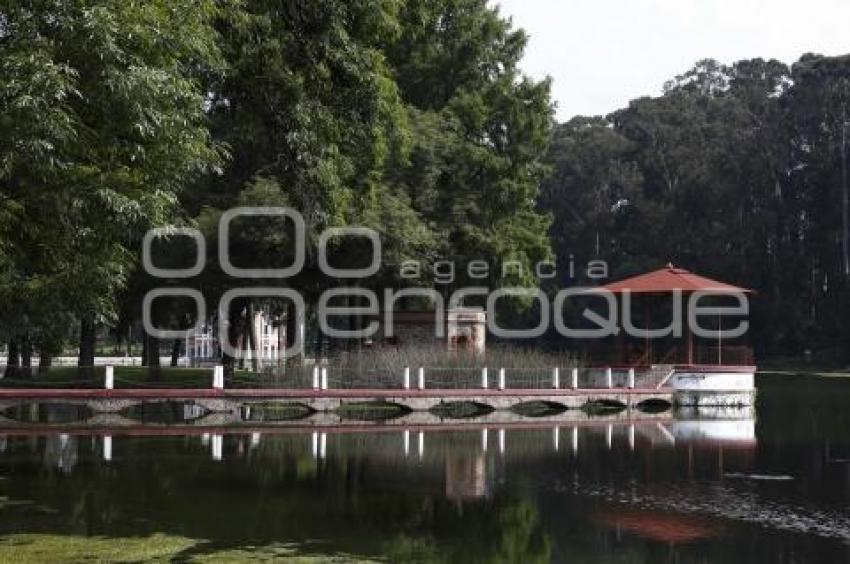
(727, 355)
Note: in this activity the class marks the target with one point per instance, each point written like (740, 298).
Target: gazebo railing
(724, 355)
(710, 355)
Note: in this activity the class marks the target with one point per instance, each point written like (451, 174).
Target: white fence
(105, 361)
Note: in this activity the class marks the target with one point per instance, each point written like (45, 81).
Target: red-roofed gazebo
(672, 279)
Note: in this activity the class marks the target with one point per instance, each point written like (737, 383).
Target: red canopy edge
(670, 279)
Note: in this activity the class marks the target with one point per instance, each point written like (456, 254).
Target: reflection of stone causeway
(467, 443)
(236, 420)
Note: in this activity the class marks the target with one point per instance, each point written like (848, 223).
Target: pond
(764, 485)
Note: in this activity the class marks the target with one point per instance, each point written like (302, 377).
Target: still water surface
(765, 485)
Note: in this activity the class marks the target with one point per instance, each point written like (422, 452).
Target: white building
(203, 346)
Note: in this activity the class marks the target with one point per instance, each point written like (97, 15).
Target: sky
(603, 53)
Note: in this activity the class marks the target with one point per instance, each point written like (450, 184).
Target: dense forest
(412, 118)
(737, 172)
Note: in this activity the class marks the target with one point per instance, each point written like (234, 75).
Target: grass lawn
(46, 548)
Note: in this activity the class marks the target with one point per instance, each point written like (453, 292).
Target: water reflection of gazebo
(466, 476)
(662, 526)
(667, 281)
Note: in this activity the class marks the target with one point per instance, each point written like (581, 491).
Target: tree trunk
(845, 199)
(26, 357)
(256, 357)
(152, 348)
(175, 352)
(241, 347)
(291, 332)
(296, 331)
(281, 344)
(227, 362)
(12, 359)
(234, 331)
(87, 343)
(243, 337)
(45, 361)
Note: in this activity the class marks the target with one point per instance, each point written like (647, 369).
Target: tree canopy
(103, 121)
(411, 118)
(737, 171)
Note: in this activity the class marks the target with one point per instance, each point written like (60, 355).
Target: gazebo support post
(648, 346)
(622, 353)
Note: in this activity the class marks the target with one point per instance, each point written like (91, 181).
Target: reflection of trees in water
(60, 451)
(366, 491)
(451, 501)
(273, 491)
(47, 413)
(807, 435)
(466, 476)
(506, 530)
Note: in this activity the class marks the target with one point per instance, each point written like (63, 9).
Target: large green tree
(410, 118)
(102, 113)
(480, 128)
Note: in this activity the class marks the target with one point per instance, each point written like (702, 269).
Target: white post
(631, 378)
(218, 377)
(484, 439)
(501, 378)
(421, 444)
(574, 383)
(324, 378)
(575, 439)
(406, 383)
(484, 378)
(217, 446)
(316, 377)
(501, 441)
(107, 448)
(556, 378)
(421, 378)
(110, 377)
(609, 435)
(556, 438)
(632, 436)
(406, 437)
(609, 377)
